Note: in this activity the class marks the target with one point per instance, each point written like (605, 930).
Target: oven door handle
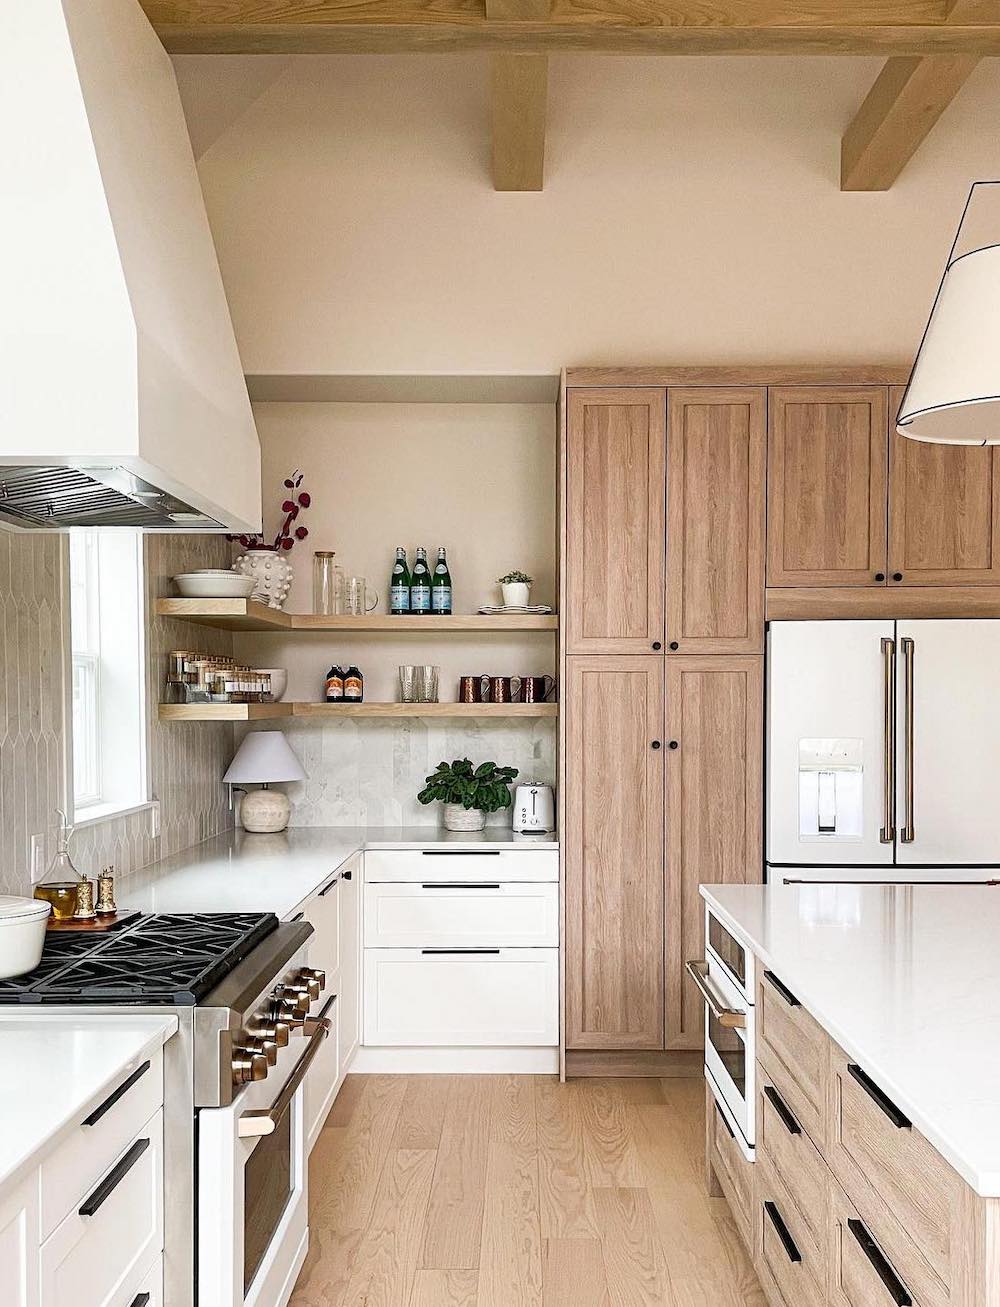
(730, 1017)
(264, 1120)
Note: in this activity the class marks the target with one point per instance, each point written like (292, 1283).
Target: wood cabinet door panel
(714, 788)
(944, 511)
(614, 520)
(614, 853)
(715, 519)
(826, 485)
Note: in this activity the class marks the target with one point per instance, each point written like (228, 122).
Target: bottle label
(334, 689)
(352, 687)
(442, 598)
(420, 598)
(399, 598)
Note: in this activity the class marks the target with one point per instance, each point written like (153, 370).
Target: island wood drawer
(795, 1051)
(463, 913)
(77, 1164)
(791, 1154)
(862, 1271)
(784, 1255)
(732, 1170)
(893, 1175)
(442, 863)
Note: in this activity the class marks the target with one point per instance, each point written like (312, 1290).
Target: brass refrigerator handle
(887, 833)
(909, 648)
(263, 1121)
(731, 1018)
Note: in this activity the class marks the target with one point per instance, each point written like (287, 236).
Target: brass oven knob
(248, 1066)
(314, 973)
(307, 985)
(272, 1031)
(287, 1000)
(259, 1044)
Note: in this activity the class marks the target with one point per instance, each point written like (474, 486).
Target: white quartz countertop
(239, 872)
(54, 1070)
(906, 979)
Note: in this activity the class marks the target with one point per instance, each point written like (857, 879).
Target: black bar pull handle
(113, 1179)
(722, 1117)
(140, 1300)
(783, 1110)
(327, 1006)
(459, 950)
(781, 1230)
(783, 990)
(113, 1098)
(460, 853)
(460, 884)
(331, 884)
(880, 1263)
(885, 1104)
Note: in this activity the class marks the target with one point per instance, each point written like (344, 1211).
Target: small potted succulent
(468, 793)
(516, 587)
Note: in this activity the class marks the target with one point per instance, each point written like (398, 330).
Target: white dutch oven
(22, 934)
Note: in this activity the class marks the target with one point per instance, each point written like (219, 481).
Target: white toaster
(534, 809)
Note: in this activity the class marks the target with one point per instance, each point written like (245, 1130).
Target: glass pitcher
(328, 584)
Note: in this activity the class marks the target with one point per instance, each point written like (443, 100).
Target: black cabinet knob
(655, 744)
(657, 645)
(674, 644)
(897, 576)
(879, 576)
(673, 744)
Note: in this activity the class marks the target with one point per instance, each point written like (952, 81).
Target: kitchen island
(876, 1036)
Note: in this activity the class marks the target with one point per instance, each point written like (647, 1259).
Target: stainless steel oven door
(252, 1186)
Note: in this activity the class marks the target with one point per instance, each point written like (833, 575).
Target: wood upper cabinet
(615, 495)
(715, 520)
(944, 511)
(826, 486)
(714, 787)
(613, 850)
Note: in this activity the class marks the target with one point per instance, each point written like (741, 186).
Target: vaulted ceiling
(931, 47)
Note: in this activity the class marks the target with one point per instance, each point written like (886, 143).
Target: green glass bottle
(441, 585)
(420, 585)
(399, 584)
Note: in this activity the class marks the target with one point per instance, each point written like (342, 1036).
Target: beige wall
(691, 213)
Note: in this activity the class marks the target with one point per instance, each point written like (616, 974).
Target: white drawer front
(453, 864)
(76, 1166)
(503, 997)
(443, 913)
(323, 914)
(151, 1284)
(324, 1074)
(90, 1260)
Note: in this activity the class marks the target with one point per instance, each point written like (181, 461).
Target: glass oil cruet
(60, 885)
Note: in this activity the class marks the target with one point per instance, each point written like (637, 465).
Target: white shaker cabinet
(19, 1245)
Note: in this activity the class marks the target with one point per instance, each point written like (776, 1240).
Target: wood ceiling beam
(519, 95)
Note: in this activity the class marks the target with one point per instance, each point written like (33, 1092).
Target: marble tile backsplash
(369, 771)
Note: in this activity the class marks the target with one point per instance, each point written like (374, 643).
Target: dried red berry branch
(291, 506)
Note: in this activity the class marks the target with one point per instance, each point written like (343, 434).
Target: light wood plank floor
(516, 1191)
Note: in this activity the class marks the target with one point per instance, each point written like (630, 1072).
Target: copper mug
(472, 689)
(536, 689)
(501, 688)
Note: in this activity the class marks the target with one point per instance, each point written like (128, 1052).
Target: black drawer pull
(120, 1092)
(347, 875)
(140, 1300)
(782, 1109)
(459, 950)
(331, 884)
(890, 1109)
(327, 1006)
(722, 1117)
(783, 990)
(461, 884)
(781, 1229)
(113, 1179)
(895, 1286)
(460, 853)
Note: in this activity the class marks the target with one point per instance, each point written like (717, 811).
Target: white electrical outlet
(154, 819)
(36, 857)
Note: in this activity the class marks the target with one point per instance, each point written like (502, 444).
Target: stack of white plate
(214, 583)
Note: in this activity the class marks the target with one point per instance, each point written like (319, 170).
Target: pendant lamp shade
(263, 757)
(953, 397)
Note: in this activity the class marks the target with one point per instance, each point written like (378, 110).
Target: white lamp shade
(264, 756)
(954, 392)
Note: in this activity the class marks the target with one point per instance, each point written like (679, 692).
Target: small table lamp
(263, 757)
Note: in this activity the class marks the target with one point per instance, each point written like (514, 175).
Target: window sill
(96, 813)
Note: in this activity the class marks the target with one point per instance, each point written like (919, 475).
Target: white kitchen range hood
(122, 397)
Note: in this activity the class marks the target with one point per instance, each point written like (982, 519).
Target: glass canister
(328, 583)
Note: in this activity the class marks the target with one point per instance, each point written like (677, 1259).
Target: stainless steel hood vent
(60, 497)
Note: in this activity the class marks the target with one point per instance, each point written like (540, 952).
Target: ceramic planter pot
(516, 594)
(271, 572)
(458, 818)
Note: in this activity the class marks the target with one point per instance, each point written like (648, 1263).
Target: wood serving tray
(97, 926)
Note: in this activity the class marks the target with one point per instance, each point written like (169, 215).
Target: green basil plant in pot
(468, 793)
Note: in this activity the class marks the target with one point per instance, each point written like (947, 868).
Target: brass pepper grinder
(85, 901)
(106, 906)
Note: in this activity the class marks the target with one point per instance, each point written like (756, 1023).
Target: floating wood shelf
(246, 615)
(249, 712)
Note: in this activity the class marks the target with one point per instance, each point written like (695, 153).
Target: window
(109, 748)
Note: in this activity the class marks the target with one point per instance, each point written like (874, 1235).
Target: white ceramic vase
(265, 811)
(271, 572)
(458, 818)
(516, 594)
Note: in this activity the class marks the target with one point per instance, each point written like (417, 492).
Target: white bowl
(22, 934)
(217, 585)
(279, 681)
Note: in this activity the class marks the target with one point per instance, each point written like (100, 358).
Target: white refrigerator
(883, 751)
